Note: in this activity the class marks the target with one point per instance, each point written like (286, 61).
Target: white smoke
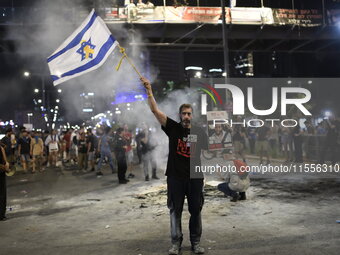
(54, 25)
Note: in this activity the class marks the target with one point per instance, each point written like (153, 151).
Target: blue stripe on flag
(76, 40)
(54, 77)
(101, 54)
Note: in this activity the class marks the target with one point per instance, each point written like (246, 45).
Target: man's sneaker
(123, 181)
(147, 178)
(4, 218)
(155, 177)
(234, 198)
(131, 176)
(99, 174)
(175, 249)
(197, 249)
(242, 196)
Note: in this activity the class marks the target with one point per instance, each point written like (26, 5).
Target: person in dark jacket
(331, 141)
(120, 148)
(4, 167)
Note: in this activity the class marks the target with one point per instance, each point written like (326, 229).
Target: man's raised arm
(160, 116)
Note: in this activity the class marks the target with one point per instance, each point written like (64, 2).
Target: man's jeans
(148, 163)
(193, 190)
(103, 154)
(226, 190)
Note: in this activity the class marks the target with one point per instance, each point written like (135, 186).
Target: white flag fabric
(85, 50)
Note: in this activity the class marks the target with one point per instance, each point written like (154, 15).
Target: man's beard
(186, 123)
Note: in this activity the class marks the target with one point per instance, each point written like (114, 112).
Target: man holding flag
(186, 142)
(86, 50)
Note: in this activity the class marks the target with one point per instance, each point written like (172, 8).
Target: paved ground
(57, 212)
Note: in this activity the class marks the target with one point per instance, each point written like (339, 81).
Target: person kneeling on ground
(237, 182)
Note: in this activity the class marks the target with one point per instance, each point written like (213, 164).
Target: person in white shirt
(52, 141)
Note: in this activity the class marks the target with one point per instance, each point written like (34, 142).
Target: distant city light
(215, 70)
(36, 91)
(328, 114)
(196, 68)
(26, 74)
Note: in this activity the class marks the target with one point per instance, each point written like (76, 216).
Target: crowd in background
(83, 150)
(87, 151)
(317, 143)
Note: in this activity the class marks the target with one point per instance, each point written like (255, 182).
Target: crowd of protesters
(82, 150)
(318, 143)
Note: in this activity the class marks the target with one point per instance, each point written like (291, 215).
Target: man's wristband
(150, 95)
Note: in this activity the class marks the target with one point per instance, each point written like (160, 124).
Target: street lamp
(28, 74)
(28, 117)
(57, 100)
(59, 90)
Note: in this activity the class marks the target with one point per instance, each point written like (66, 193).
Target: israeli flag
(85, 50)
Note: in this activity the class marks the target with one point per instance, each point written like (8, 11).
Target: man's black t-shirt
(145, 147)
(82, 146)
(25, 143)
(262, 133)
(8, 145)
(91, 139)
(119, 148)
(185, 147)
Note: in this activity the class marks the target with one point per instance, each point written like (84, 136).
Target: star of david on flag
(85, 50)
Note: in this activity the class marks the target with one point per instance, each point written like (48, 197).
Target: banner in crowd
(219, 133)
(307, 18)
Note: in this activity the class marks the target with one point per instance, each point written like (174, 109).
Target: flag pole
(122, 50)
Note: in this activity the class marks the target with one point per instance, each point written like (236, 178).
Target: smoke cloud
(53, 25)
